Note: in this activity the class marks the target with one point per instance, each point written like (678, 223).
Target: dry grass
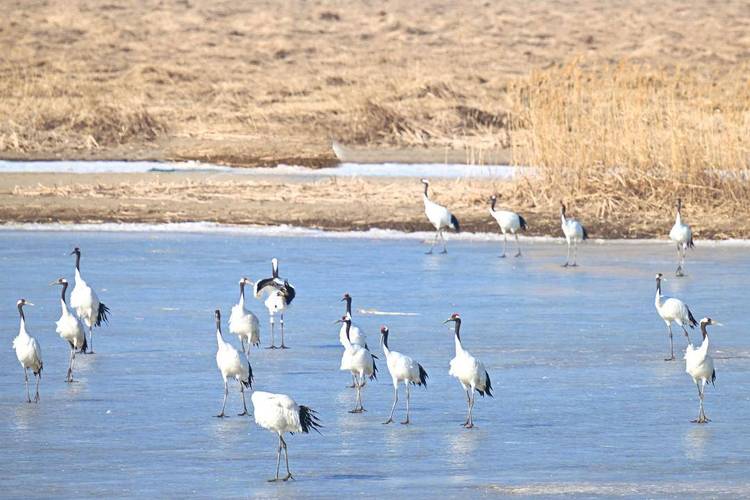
(273, 81)
(628, 138)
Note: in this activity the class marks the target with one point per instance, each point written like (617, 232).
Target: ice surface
(584, 404)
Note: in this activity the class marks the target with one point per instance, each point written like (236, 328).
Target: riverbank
(331, 203)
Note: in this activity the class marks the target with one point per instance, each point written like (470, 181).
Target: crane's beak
(717, 323)
(53, 283)
(29, 304)
(337, 322)
(448, 320)
(342, 299)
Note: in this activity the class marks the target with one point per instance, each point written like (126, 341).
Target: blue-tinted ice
(583, 402)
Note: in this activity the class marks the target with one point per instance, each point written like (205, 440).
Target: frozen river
(583, 403)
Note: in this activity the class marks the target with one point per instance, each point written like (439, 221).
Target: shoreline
(289, 231)
(325, 203)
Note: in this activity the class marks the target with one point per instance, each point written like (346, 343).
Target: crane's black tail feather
(102, 315)
(308, 419)
(455, 223)
(249, 382)
(374, 375)
(585, 233)
(487, 386)
(422, 376)
(523, 222)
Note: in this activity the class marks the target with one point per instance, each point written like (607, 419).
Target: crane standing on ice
(28, 352)
(683, 236)
(70, 329)
(439, 216)
(280, 296)
(86, 304)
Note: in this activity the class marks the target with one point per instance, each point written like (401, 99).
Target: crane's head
(562, 207)
(344, 319)
(493, 197)
(23, 302)
(217, 315)
(424, 181)
(679, 204)
(76, 251)
(59, 281)
(245, 281)
(708, 321)
(346, 298)
(660, 277)
(384, 330)
(454, 317)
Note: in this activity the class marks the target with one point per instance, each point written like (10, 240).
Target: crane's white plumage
(85, 302)
(672, 310)
(232, 364)
(574, 233)
(69, 328)
(469, 371)
(700, 366)
(244, 323)
(509, 222)
(682, 235)
(281, 414)
(279, 296)
(360, 362)
(28, 352)
(404, 370)
(439, 216)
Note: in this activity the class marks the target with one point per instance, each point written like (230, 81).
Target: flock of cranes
(573, 231)
(279, 413)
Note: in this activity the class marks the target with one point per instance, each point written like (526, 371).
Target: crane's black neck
(242, 289)
(218, 324)
(704, 331)
(385, 339)
(658, 285)
(20, 312)
(494, 200)
(348, 324)
(78, 261)
(64, 287)
(348, 306)
(425, 189)
(275, 270)
(458, 328)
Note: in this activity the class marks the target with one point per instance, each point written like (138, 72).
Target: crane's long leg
(69, 378)
(442, 237)
(26, 380)
(278, 461)
(471, 410)
(273, 335)
(91, 340)
(405, 422)
(358, 387)
(434, 242)
(671, 344)
(518, 245)
(244, 405)
(354, 382)
(38, 379)
(468, 402)
(680, 260)
(282, 332)
(224, 404)
(505, 245)
(286, 459)
(567, 259)
(575, 253)
(393, 408)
